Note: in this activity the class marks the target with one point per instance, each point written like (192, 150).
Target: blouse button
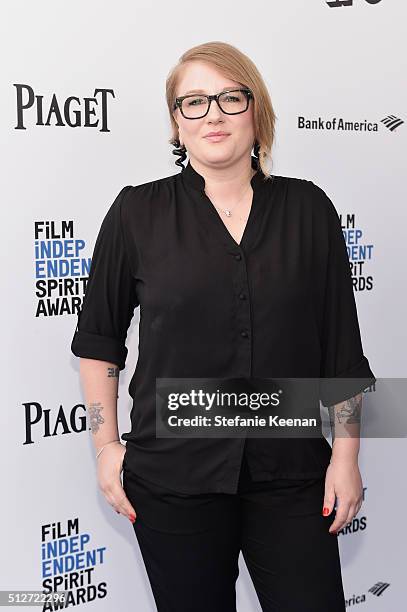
(244, 333)
(242, 296)
(238, 256)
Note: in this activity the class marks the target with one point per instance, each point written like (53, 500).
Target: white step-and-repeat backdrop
(83, 113)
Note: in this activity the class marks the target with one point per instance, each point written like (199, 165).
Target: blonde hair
(235, 65)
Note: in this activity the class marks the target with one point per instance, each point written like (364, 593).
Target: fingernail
(325, 511)
(132, 518)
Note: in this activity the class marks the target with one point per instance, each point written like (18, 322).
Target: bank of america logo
(379, 588)
(392, 122)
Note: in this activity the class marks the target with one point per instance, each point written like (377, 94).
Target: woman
(240, 276)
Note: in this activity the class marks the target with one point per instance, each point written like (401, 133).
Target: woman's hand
(109, 468)
(344, 481)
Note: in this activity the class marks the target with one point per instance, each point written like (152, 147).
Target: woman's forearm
(100, 381)
(345, 420)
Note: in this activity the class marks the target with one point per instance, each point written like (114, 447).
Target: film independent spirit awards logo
(70, 563)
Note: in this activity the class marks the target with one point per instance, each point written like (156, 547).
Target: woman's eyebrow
(202, 91)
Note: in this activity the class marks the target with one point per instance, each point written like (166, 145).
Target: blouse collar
(195, 180)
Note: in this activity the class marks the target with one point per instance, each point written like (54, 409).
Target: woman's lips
(216, 138)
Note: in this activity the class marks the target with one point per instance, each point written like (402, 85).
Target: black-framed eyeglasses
(230, 102)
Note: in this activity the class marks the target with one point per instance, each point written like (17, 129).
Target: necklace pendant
(228, 213)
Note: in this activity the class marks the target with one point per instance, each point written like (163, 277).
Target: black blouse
(279, 304)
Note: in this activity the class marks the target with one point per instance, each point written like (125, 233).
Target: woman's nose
(214, 111)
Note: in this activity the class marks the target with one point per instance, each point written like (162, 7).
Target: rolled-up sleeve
(345, 370)
(110, 296)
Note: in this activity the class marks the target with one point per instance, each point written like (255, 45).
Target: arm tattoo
(350, 410)
(95, 417)
(346, 414)
(113, 372)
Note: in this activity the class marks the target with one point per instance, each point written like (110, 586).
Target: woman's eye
(196, 101)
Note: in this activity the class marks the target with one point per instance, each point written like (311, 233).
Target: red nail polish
(325, 511)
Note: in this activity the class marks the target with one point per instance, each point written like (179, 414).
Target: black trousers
(190, 545)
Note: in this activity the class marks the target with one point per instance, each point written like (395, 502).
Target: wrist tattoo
(95, 418)
(345, 413)
(113, 372)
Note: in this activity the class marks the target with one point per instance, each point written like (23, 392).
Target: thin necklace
(228, 211)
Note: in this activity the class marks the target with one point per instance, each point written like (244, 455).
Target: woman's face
(206, 79)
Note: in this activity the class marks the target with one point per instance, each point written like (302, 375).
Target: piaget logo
(37, 109)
